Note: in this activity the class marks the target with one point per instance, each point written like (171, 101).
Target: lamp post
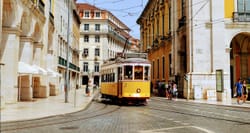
(67, 57)
(1, 64)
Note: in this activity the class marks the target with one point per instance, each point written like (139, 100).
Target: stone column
(25, 55)
(9, 54)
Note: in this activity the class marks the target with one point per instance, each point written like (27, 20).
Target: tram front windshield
(128, 72)
(136, 72)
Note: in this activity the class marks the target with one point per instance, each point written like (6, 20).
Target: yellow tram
(126, 78)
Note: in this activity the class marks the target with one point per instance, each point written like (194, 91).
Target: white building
(102, 35)
(31, 32)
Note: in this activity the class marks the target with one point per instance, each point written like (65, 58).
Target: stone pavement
(45, 107)
(232, 103)
(55, 105)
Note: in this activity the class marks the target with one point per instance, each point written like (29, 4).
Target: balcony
(51, 18)
(182, 21)
(93, 31)
(63, 62)
(116, 36)
(241, 16)
(41, 6)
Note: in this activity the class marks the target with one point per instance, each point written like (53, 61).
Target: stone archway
(9, 13)
(25, 55)
(240, 57)
(9, 49)
(37, 34)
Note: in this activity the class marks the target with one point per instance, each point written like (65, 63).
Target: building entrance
(240, 58)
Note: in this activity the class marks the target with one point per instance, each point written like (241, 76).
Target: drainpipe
(190, 48)
(211, 37)
(67, 57)
(1, 64)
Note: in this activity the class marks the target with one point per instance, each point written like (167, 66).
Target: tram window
(128, 72)
(138, 72)
(108, 77)
(146, 73)
(113, 80)
(111, 77)
(120, 73)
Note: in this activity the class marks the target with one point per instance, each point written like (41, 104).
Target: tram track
(205, 105)
(198, 111)
(60, 119)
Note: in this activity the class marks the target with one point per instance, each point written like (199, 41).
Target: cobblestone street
(160, 115)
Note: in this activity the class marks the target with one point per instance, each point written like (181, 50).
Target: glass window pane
(146, 73)
(128, 72)
(247, 5)
(240, 5)
(138, 72)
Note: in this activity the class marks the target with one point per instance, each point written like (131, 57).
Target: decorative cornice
(26, 39)
(11, 30)
(38, 44)
(236, 25)
(34, 9)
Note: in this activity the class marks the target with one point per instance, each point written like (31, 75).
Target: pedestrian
(238, 89)
(170, 92)
(88, 88)
(175, 91)
(166, 88)
(245, 93)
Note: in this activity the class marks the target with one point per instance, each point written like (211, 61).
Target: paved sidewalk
(44, 107)
(232, 103)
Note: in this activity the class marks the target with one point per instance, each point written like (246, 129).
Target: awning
(53, 73)
(25, 68)
(40, 70)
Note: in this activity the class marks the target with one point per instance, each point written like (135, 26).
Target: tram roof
(127, 61)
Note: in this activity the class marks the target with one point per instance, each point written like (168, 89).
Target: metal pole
(67, 57)
(75, 99)
(19, 87)
(1, 64)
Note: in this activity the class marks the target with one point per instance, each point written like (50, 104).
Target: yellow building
(156, 38)
(197, 40)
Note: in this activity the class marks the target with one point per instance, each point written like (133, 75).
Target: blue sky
(127, 11)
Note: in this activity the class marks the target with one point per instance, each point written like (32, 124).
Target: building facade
(156, 38)
(30, 49)
(102, 35)
(66, 39)
(209, 44)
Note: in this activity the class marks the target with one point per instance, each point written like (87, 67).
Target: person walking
(238, 90)
(244, 86)
(170, 92)
(167, 89)
(175, 91)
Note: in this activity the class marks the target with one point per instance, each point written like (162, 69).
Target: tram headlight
(138, 90)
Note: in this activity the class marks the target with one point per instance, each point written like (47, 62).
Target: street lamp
(67, 57)
(1, 64)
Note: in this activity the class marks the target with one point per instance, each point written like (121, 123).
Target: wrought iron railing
(241, 16)
(63, 62)
(182, 21)
(51, 18)
(41, 6)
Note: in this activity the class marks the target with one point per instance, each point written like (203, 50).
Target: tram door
(119, 81)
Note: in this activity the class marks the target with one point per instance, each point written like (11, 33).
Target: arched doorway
(240, 58)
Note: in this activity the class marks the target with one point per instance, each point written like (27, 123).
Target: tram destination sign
(136, 55)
